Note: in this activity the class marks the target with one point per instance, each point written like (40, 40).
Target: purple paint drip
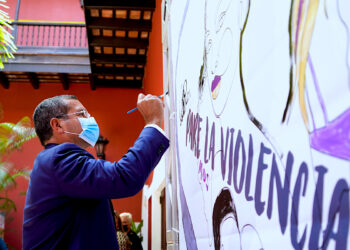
(318, 91)
(215, 82)
(298, 26)
(334, 138)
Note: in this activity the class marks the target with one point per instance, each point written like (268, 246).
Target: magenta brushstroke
(334, 138)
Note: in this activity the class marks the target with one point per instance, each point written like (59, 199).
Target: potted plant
(137, 229)
(12, 136)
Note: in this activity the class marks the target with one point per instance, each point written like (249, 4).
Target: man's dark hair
(45, 111)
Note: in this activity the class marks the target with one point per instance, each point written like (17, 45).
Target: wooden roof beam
(118, 83)
(120, 59)
(118, 71)
(119, 24)
(92, 82)
(65, 81)
(125, 4)
(120, 42)
(33, 78)
(4, 81)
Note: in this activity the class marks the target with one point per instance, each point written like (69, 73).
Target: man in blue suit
(67, 204)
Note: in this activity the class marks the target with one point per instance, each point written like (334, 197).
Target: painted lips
(215, 87)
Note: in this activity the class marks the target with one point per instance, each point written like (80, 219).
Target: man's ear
(55, 124)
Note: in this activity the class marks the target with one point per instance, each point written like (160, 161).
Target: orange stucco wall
(108, 106)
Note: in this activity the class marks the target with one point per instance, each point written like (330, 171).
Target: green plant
(7, 46)
(137, 229)
(12, 136)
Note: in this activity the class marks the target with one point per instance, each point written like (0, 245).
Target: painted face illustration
(222, 41)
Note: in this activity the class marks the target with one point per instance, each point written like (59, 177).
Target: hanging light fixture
(100, 147)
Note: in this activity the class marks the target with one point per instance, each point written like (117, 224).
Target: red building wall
(47, 10)
(108, 106)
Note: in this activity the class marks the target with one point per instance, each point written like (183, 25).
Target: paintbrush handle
(132, 110)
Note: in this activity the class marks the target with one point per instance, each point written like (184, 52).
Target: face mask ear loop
(71, 133)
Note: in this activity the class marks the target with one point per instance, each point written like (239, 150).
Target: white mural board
(261, 93)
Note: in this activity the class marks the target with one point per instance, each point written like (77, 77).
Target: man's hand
(151, 108)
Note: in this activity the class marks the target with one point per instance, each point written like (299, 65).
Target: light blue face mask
(90, 131)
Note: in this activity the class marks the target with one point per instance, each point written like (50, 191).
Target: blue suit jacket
(67, 203)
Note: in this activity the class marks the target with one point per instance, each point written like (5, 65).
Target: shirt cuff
(158, 128)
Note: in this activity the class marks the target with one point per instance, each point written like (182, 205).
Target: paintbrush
(132, 110)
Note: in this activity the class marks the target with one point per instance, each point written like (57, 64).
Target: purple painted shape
(298, 26)
(318, 90)
(215, 82)
(334, 138)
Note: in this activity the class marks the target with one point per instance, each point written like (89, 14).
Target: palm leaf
(6, 178)
(139, 226)
(7, 181)
(137, 229)
(8, 175)
(12, 136)
(7, 46)
(133, 226)
(6, 204)
(21, 173)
